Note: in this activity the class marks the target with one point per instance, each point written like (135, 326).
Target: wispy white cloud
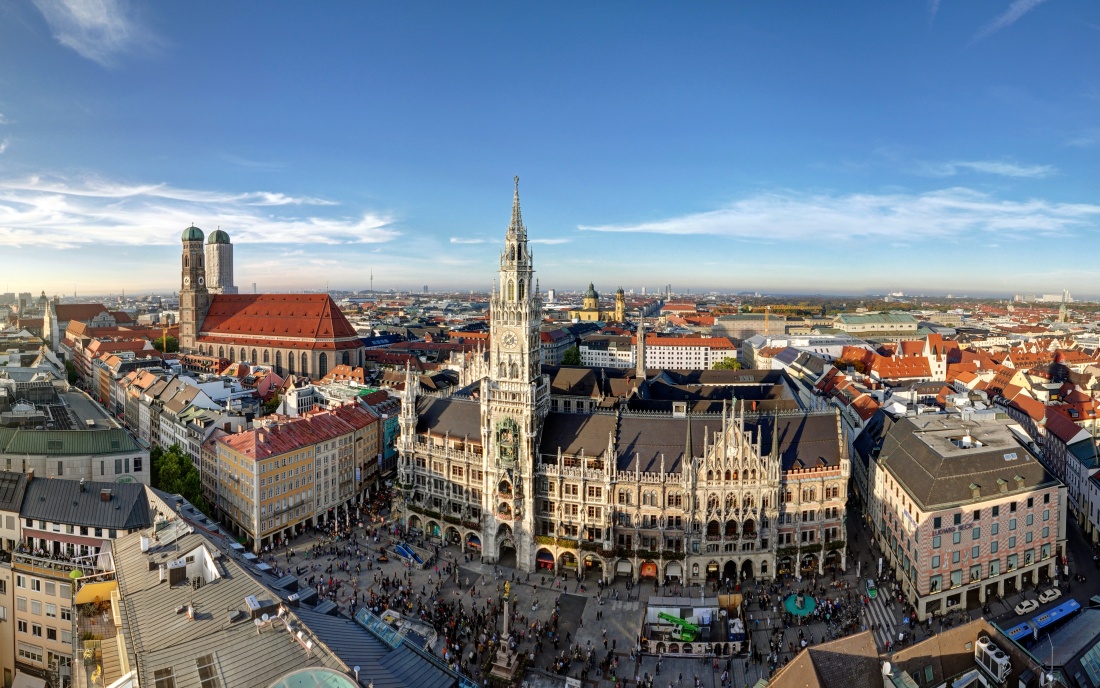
(4, 145)
(1010, 16)
(64, 213)
(267, 165)
(955, 213)
(550, 242)
(933, 9)
(464, 240)
(98, 30)
(3, 119)
(1000, 167)
(1086, 139)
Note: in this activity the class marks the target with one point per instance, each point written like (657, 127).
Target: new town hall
(690, 475)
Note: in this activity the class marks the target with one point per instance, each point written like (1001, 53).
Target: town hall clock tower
(515, 399)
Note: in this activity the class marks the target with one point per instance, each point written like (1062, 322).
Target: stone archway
(623, 567)
(544, 560)
(473, 542)
(746, 570)
(506, 546)
(568, 562)
(832, 561)
(729, 571)
(451, 536)
(593, 565)
(674, 571)
(415, 524)
(648, 569)
(712, 570)
(807, 564)
(433, 530)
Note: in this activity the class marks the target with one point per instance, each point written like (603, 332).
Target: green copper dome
(591, 293)
(192, 233)
(218, 237)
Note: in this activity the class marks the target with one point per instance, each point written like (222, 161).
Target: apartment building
(67, 526)
(687, 353)
(964, 510)
(277, 479)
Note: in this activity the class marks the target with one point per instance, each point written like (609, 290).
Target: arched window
(322, 364)
(221, 352)
(511, 296)
(305, 363)
(232, 354)
(512, 252)
(710, 475)
(290, 363)
(254, 360)
(185, 261)
(346, 358)
(279, 362)
(728, 476)
(267, 355)
(521, 290)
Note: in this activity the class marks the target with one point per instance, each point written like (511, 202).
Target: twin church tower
(207, 270)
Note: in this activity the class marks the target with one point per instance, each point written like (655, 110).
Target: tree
(173, 344)
(70, 370)
(572, 356)
(173, 472)
(728, 364)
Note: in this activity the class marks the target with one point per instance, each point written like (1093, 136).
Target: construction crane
(684, 631)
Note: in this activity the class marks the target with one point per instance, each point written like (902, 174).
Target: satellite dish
(886, 668)
(265, 618)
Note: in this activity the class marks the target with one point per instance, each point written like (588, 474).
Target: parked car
(1026, 607)
(872, 590)
(1049, 595)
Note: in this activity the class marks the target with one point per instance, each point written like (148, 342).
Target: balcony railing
(60, 568)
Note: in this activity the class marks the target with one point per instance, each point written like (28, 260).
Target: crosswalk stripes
(886, 627)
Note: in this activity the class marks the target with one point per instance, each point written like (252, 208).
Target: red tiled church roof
(296, 321)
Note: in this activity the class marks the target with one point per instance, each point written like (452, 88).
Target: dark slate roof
(62, 501)
(919, 453)
(386, 668)
(573, 432)
(804, 441)
(459, 417)
(12, 487)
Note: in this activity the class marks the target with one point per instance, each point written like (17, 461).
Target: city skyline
(924, 148)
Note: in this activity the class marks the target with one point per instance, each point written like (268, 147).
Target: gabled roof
(298, 321)
(82, 312)
(454, 415)
(66, 442)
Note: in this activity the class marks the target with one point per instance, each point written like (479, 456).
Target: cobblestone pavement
(590, 618)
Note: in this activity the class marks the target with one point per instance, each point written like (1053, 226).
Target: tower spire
(516, 227)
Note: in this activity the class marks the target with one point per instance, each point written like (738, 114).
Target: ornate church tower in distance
(194, 298)
(515, 399)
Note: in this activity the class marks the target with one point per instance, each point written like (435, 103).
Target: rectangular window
(935, 542)
(51, 611)
(993, 547)
(36, 584)
(956, 537)
(936, 561)
(164, 678)
(995, 528)
(937, 522)
(208, 672)
(958, 519)
(955, 557)
(976, 534)
(21, 604)
(996, 510)
(36, 608)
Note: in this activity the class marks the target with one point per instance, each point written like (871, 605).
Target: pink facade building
(963, 510)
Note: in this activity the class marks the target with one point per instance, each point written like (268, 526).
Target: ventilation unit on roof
(993, 661)
(1010, 456)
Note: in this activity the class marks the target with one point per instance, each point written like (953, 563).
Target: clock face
(201, 280)
(186, 280)
(510, 340)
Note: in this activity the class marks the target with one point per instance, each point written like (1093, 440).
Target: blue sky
(795, 146)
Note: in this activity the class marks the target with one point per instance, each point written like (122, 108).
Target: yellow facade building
(590, 309)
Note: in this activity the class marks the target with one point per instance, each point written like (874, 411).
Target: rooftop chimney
(82, 484)
(105, 494)
(30, 475)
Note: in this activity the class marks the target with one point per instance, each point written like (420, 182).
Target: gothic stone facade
(723, 496)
